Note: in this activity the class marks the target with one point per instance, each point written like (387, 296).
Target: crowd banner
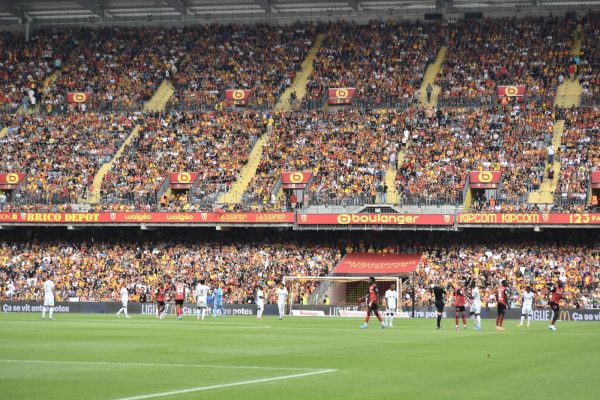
(341, 96)
(238, 97)
(182, 180)
(295, 180)
(484, 179)
(78, 97)
(11, 180)
(516, 91)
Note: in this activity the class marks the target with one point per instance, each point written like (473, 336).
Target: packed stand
(347, 152)
(60, 154)
(214, 144)
(385, 62)
(590, 60)
(260, 58)
(505, 51)
(446, 144)
(579, 155)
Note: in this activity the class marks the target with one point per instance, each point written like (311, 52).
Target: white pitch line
(118, 364)
(226, 385)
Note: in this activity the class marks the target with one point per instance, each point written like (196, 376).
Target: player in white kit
(124, 299)
(527, 309)
(201, 295)
(260, 302)
(282, 295)
(391, 301)
(48, 298)
(475, 309)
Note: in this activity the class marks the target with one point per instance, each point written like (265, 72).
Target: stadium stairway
(158, 102)
(569, 93)
(301, 79)
(47, 83)
(432, 71)
(234, 196)
(546, 193)
(3, 132)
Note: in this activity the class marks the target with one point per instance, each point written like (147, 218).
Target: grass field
(102, 357)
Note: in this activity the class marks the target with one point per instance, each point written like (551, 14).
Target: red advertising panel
(517, 91)
(78, 97)
(484, 179)
(11, 180)
(143, 217)
(596, 179)
(237, 97)
(527, 219)
(375, 219)
(182, 180)
(295, 180)
(378, 264)
(341, 96)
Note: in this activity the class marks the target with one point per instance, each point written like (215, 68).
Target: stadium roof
(82, 11)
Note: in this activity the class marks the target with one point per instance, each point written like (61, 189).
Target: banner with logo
(595, 179)
(341, 96)
(11, 180)
(136, 218)
(295, 180)
(238, 97)
(375, 219)
(182, 180)
(484, 179)
(78, 97)
(368, 264)
(527, 219)
(517, 91)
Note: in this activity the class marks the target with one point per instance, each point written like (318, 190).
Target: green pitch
(102, 357)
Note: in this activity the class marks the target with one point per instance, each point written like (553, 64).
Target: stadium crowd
(96, 270)
(589, 74)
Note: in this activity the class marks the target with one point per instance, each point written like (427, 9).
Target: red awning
(378, 264)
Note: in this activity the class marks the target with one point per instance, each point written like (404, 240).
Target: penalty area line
(226, 385)
(126, 364)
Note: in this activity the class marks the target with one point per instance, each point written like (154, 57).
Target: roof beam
(12, 10)
(353, 4)
(94, 6)
(177, 5)
(266, 5)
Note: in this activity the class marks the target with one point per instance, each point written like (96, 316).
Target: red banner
(78, 97)
(517, 91)
(375, 219)
(237, 97)
(295, 180)
(142, 217)
(182, 180)
(484, 179)
(596, 179)
(527, 219)
(378, 264)
(11, 180)
(341, 96)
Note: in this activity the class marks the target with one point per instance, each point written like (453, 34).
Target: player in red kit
(160, 293)
(179, 297)
(459, 303)
(556, 294)
(502, 295)
(372, 305)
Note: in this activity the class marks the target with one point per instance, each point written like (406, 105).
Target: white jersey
(124, 295)
(49, 293)
(202, 295)
(476, 296)
(391, 299)
(260, 298)
(282, 295)
(528, 299)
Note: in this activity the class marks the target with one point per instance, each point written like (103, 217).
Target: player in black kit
(439, 294)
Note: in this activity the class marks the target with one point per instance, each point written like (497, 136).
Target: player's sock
(44, 312)
(125, 311)
(203, 313)
(522, 319)
(439, 320)
(497, 320)
(456, 319)
(367, 318)
(51, 312)
(464, 320)
(378, 316)
(478, 320)
(391, 322)
(528, 319)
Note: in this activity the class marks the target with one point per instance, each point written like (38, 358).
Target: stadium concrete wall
(541, 314)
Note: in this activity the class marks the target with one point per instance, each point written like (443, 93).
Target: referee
(439, 293)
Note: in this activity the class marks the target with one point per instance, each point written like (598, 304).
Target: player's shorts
(554, 306)
(202, 303)
(178, 302)
(475, 308)
(374, 307)
(260, 306)
(460, 308)
(49, 301)
(124, 303)
(501, 308)
(391, 310)
(526, 310)
(218, 304)
(160, 303)
(439, 306)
